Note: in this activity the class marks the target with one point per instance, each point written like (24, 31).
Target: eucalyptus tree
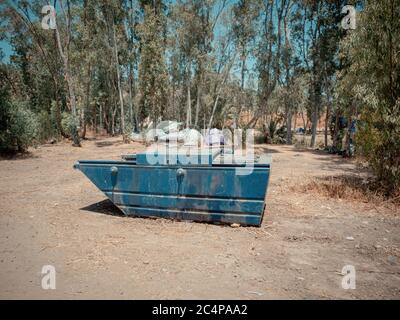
(268, 55)
(153, 77)
(321, 34)
(64, 46)
(370, 83)
(35, 54)
(245, 29)
(186, 25)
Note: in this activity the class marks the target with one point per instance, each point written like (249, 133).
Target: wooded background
(114, 65)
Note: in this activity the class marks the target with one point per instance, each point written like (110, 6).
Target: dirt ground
(51, 214)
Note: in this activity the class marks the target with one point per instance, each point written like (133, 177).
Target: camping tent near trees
(112, 66)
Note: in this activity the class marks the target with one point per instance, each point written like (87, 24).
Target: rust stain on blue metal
(212, 192)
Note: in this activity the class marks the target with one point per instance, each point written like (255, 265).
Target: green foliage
(152, 72)
(19, 127)
(47, 128)
(68, 123)
(379, 141)
(372, 84)
(129, 126)
(70, 127)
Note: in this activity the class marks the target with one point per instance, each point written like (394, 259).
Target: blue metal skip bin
(210, 187)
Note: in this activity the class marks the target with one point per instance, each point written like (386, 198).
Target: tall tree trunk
(94, 116)
(58, 111)
(131, 115)
(87, 102)
(175, 112)
(289, 114)
(348, 132)
(336, 131)
(113, 114)
(327, 116)
(101, 118)
(189, 104)
(243, 68)
(289, 127)
(315, 114)
(85, 106)
(134, 116)
(121, 100)
(70, 83)
(314, 125)
(196, 119)
(304, 122)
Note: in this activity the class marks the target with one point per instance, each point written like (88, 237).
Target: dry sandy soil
(52, 215)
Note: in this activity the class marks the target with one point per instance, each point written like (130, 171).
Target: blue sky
(6, 49)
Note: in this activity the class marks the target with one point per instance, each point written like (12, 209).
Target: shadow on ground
(102, 144)
(264, 149)
(18, 156)
(104, 207)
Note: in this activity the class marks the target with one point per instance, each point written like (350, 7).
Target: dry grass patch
(348, 187)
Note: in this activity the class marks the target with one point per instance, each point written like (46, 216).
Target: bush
(47, 126)
(18, 128)
(128, 128)
(379, 142)
(67, 121)
(370, 87)
(70, 127)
